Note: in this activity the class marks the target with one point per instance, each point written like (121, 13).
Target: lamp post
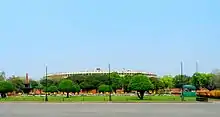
(181, 76)
(46, 97)
(110, 82)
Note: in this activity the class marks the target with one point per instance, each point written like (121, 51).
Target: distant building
(98, 71)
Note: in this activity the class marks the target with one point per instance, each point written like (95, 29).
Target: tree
(211, 82)
(78, 79)
(76, 88)
(105, 88)
(116, 81)
(180, 80)
(167, 81)
(93, 81)
(66, 86)
(34, 84)
(5, 87)
(86, 85)
(140, 83)
(52, 89)
(203, 80)
(158, 84)
(89, 83)
(56, 80)
(125, 82)
(49, 82)
(2, 76)
(17, 83)
(196, 80)
(216, 78)
(102, 78)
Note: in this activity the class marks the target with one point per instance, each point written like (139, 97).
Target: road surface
(109, 110)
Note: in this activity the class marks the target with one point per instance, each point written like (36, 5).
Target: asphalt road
(109, 110)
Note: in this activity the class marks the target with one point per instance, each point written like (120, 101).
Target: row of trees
(102, 83)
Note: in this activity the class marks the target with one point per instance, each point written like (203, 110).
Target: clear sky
(74, 35)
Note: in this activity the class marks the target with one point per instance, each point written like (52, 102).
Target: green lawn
(97, 99)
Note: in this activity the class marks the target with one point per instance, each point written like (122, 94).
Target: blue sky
(74, 35)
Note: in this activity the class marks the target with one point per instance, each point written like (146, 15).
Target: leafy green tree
(49, 82)
(196, 80)
(76, 88)
(210, 84)
(78, 79)
(34, 84)
(99, 79)
(158, 84)
(86, 86)
(105, 88)
(116, 81)
(180, 80)
(167, 80)
(102, 78)
(5, 87)
(66, 86)
(203, 80)
(56, 80)
(52, 89)
(17, 83)
(93, 81)
(125, 82)
(90, 83)
(140, 83)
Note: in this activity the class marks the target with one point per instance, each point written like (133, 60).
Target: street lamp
(46, 97)
(181, 76)
(110, 82)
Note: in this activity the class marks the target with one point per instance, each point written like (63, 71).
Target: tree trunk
(40, 92)
(67, 95)
(156, 90)
(124, 91)
(140, 95)
(3, 95)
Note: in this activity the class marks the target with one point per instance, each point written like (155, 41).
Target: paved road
(109, 110)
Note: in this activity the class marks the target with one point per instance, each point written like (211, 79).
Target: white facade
(99, 71)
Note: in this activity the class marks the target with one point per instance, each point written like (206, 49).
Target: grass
(101, 99)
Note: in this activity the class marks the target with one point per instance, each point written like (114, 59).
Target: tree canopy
(105, 88)
(167, 81)
(52, 89)
(5, 87)
(66, 86)
(140, 83)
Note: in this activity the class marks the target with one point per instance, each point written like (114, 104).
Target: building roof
(98, 70)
